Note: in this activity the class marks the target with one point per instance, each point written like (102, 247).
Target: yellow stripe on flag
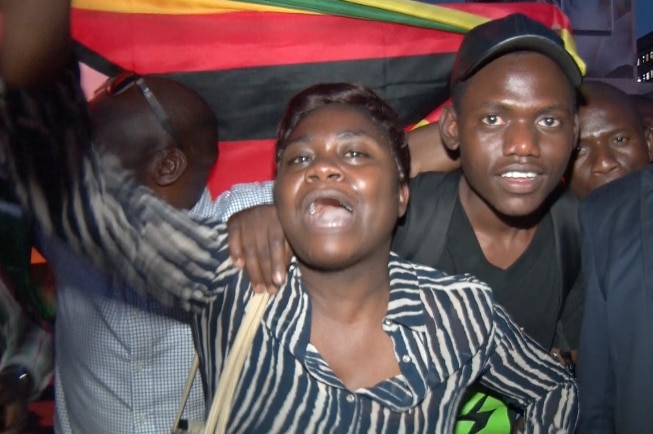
(440, 14)
(462, 20)
(177, 7)
(568, 39)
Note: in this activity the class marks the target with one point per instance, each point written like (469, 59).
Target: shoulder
(426, 183)
(617, 199)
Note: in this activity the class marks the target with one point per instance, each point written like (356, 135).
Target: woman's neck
(347, 296)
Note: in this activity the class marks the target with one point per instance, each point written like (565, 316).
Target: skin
(613, 141)
(35, 40)
(524, 124)
(338, 202)
(427, 152)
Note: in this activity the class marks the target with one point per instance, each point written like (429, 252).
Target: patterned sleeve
(91, 204)
(523, 372)
(25, 344)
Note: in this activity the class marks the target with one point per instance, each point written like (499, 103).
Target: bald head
(612, 141)
(127, 125)
(644, 106)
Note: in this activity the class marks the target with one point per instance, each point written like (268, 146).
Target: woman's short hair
(354, 95)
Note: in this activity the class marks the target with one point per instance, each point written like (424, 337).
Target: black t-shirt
(529, 289)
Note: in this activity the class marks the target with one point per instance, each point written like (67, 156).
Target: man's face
(515, 127)
(612, 143)
(337, 188)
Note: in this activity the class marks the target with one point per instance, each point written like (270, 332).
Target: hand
(257, 244)
(568, 360)
(15, 389)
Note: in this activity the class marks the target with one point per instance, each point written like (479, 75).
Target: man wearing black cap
(503, 217)
(514, 124)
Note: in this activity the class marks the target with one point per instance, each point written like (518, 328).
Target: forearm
(35, 40)
(427, 152)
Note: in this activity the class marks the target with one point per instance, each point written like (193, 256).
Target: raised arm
(35, 40)
(427, 152)
(528, 375)
(91, 203)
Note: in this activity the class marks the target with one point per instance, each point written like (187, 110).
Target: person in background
(616, 350)
(613, 139)
(122, 358)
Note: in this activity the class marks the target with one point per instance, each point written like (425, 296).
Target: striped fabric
(446, 330)
(247, 58)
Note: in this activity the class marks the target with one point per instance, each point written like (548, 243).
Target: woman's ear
(170, 165)
(404, 195)
(449, 127)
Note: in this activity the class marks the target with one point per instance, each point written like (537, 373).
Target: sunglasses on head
(125, 81)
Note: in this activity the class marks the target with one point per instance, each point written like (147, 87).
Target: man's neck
(503, 239)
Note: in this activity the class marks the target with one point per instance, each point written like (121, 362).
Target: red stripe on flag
(242, 161)
(173, 43)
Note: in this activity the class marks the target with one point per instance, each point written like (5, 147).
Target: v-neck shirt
(528, 288)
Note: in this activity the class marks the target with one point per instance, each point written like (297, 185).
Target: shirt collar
(288, 316)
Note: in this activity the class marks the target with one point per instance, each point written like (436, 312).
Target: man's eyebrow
(496, 105)
(555, 107)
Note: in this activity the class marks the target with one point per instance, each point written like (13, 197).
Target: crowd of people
(494, 283)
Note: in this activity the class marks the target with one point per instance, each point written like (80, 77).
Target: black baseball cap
(516, 32)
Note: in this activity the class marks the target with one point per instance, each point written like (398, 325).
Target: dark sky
(644, 14)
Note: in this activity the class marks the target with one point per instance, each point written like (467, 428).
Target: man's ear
(449, 128)
(170, 165)
(648, 135)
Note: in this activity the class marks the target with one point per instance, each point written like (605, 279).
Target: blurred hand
(15, 389)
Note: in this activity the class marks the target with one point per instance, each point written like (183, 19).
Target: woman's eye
(299, 159)
(355, 154)
(550, 122)
(620, 140)
(491, 120)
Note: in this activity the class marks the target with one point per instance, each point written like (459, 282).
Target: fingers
(15, 417)
(555, 352)
(257, 244)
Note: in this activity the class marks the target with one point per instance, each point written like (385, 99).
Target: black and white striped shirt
(446, 330)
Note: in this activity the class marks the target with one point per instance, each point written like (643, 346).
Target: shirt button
(351, 398)
(386, 322)
(405, 358)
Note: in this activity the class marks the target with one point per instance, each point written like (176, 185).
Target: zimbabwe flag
(248, 58)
